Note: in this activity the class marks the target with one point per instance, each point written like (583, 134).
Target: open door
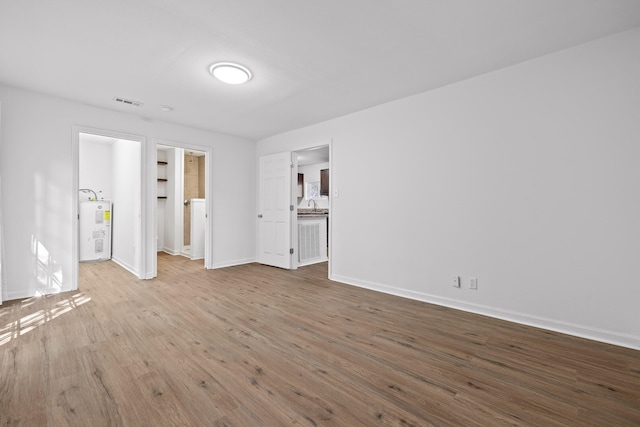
(275, 210)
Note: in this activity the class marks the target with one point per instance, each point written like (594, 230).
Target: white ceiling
(311, 61)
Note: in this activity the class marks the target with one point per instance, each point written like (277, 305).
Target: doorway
(310, 225)
(183, 208)
(108, 174)
(283, 207)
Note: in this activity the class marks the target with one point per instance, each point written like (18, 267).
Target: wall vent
(128, 102)
(308, 236)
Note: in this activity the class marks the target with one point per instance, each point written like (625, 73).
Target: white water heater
(95, 230)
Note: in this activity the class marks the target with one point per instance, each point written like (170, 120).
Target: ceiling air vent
(128, 102)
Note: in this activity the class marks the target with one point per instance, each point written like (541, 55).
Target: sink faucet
(315, 206)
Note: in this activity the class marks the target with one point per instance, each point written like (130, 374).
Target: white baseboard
(315, 261)
(30, 293)
(126, 266)
(10, 296)
(609, 337)
(232, 263)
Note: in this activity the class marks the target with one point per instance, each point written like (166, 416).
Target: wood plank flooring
(259, 346)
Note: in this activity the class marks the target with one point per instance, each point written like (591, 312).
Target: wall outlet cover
(455, 281)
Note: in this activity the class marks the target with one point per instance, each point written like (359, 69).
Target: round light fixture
(228, 72)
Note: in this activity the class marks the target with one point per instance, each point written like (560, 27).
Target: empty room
(355, 213)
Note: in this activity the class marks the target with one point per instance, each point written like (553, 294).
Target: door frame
(294, 220)
(208, 170)
(76, 130)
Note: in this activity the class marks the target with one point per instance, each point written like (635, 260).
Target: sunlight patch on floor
(15, 329)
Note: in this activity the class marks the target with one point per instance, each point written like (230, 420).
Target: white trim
(331, 184)
(234, 263)
(145, 245)
(169, 251)
(208, 193)
(294, 214)
(179, 195)
(75, 208)
(124, 265)
(609, 337)
(23, 293)
(151, 269)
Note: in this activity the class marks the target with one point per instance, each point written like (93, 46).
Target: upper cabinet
(324, 182)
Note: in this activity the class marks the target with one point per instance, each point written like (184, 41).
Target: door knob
(259, 215)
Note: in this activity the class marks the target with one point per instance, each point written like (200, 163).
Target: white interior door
(275, 210)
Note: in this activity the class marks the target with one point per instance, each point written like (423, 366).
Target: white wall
(95, 169)
(312, 174)
(175, 216)
(526, 178)
(173, 221)
(126, 209)
(38, 228)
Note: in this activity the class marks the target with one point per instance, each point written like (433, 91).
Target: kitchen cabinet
(324, 182)
(312, 239)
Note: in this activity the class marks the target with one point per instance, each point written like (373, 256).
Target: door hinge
(291, 208)
(291, 165)
(291, 251)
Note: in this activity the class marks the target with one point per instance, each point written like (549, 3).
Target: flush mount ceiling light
(228, 72)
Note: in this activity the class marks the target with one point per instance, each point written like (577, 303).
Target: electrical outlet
(473, 283)
(455, 281)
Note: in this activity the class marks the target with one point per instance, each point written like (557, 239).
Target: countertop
(310, 213)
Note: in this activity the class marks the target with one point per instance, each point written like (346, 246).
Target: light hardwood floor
(259, 346)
